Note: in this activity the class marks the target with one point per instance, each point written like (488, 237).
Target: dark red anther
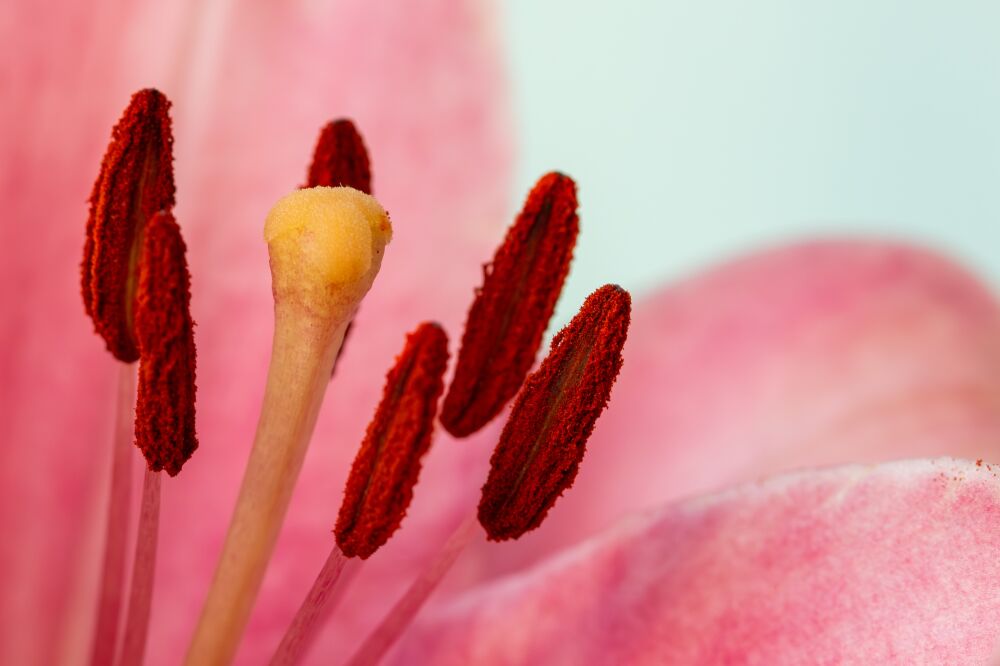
(340, 158)
(164, 411)
(380, 486)
(136, 181)
(544, 439)
(512, 309)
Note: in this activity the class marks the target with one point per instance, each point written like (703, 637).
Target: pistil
(325, 247)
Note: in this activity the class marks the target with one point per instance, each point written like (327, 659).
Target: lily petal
(894, 564)
(822, 353)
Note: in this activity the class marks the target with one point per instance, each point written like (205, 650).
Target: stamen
(380, 486)
(165, 410)
(340, 158)
(326, 246)
(544, 439)
(113, 565)
(512, 309)
(143, 569)
(399, 617)
(136, 181)
(314, 610)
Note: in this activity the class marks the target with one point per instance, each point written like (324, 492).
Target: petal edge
(888, 564)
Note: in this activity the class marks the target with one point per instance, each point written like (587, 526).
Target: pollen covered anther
(340, 158)
(380, 486)
(165, 408)
(136, 180)
(543, 442)
(512, 309)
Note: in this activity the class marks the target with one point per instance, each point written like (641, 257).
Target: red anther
(512, 309)
(380, 486)
(165, 406)
(340, 158)
(136, 181)
(544, 439)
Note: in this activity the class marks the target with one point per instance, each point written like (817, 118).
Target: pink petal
(816, 354)
(895, 564)
(252, 83)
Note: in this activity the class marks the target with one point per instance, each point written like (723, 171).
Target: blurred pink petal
(894, 564)
(252, 83)
(815, 354)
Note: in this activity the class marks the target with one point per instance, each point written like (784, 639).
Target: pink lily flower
(816, 355)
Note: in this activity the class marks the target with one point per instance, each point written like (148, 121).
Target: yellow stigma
(326, 245)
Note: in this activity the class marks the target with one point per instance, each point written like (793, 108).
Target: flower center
(326, 242)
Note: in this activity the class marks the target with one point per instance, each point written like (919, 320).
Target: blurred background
(698, 130)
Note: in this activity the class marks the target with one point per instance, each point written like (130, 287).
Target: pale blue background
(697, 130)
